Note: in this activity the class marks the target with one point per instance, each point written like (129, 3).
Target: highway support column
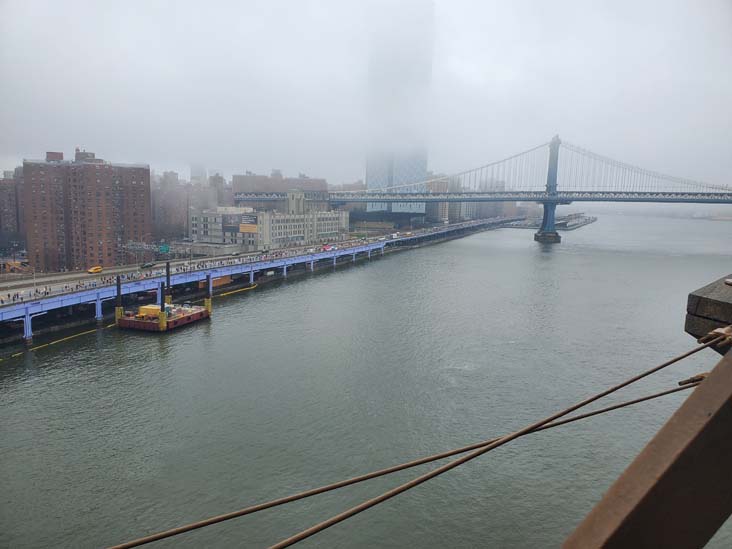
(27, 328)
(163, 316)
(119, 311)
(169, 293)
(207, 300)
(98, 316)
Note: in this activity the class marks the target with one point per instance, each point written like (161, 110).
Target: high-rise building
(277, 183)
(400, 74)
(169, 180)
(199, 176)
(83, 212)
(218, 184)
(19, 198)
(8, 206)
(171, 201)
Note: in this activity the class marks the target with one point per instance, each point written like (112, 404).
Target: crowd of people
(189, 266)
(142, 274)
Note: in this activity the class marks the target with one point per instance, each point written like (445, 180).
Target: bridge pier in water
(548, 232)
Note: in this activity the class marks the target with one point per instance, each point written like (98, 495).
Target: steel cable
(414, 463)
(458, 174)
(479, 452)
(381, 472)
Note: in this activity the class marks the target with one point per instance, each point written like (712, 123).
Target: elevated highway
(104, 288)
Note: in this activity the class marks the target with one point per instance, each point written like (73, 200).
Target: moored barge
(151, 318)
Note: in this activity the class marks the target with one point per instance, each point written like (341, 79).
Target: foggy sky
(284, 84)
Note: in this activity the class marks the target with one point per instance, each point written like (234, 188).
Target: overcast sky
(255, 85)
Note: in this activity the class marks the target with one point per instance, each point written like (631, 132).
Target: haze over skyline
(261, 85)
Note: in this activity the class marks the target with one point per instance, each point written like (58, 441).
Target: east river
(114, 435)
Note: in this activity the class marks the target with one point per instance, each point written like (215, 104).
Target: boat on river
(151, 318)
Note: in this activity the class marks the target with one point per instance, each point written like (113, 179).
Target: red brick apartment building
(81, 213)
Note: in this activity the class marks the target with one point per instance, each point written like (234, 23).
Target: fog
(286, 84)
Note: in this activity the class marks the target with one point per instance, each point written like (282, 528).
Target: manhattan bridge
(552, 173)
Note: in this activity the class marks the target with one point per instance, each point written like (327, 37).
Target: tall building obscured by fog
(400, 75)
(199, 176)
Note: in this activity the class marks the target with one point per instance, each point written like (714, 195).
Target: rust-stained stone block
(708, 308)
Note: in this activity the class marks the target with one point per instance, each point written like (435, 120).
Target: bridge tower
(548, 232)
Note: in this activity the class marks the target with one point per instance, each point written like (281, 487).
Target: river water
(114, 435)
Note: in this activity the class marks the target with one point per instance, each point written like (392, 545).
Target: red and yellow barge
(152, 318)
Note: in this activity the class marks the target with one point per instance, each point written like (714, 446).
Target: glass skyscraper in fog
(400, 74)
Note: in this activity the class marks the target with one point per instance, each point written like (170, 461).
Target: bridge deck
(509, 196)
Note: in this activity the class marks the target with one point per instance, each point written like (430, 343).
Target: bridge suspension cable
(522, 171)
(476, 448)
(480, 451)
(383, 472)
(584, 170)
(579, 170)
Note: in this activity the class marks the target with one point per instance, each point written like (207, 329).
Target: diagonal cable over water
(656, 176)
(476, 453)
(354, 480)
